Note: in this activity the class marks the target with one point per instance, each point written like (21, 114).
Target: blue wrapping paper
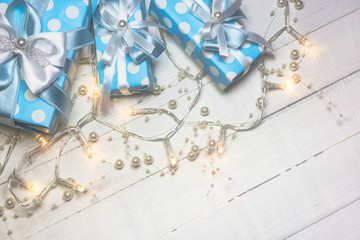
(32, 113)
(225, 71)
(139, 77)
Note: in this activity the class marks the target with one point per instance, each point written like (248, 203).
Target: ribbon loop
(37, 58)
(216, 34)
(126, 38)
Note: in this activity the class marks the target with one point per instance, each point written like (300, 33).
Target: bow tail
(253, 37)
(109, 73)
(9, 95)
(223, 48)
(36, 77)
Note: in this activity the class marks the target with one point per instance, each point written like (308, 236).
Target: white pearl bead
(67, 195)
(10, 203)
(281, 3)
(157, 90)
(119, 164)
(294, 66)
(172, 104)
(135, 161)
(122, 25)
(148, 159)
(218, 16)
(204, 111)
(299, 5)
(191, 156)
(195, 149)
(294, 55)
(212, 144)
(295, 78)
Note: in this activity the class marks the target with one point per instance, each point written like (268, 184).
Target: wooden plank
(178, 201)
(189, 181)
(343, 224)
(287, 203)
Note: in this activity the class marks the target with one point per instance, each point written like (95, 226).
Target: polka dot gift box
(124, 48)
(40, 43)
(210, 33)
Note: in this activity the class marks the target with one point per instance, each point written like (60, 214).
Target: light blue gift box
(225, 71)
(32, 113)
(139, 77)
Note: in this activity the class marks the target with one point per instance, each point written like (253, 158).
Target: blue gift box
(225, 71)
(139, 77)
(32, 113)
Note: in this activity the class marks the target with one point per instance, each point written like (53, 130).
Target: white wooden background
(297, 176)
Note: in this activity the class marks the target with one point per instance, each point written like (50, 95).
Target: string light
(180, 122)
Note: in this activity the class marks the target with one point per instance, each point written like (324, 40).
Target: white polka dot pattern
(145, 82)
(161, 3)
(54, 25)
(184, 27)
(51, 5)
(133, 68)
(180, 8)
(167, 22)
(29, 96)
(230, 76)
(72, 12)
(214, 71)
(38, 116)
(98, 55)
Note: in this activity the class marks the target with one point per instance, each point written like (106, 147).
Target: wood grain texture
(296, 176)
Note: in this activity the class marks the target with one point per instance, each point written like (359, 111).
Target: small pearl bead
(157, 90)
(218, 16)
(299, 5)
(83, 90)
(172, 104)
(148, 159)
(135, 161)
(294, 55)
(10, 203)
(294, 66)
(295, 78)
(21, 43)
(195, 149)
(204, 111)
(281, 3)
(93, 137)
(67, 195)
(191, 156)
(119, 164)
(122, 25)
(212, 143)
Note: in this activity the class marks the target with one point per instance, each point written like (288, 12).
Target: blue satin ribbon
(12, 69)
(218, 32)
(126, 38)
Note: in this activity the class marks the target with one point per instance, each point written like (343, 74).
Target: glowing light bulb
(41, 139)
(79, 188)
(85, 144)
(130, 111)
(173, 162)
(305, 42)
(33, 188)
(96, 93)
(221, 148)
(89, 150)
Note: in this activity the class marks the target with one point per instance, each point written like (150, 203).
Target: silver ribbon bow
(218, 34)
(41, 55)
(126, 38)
